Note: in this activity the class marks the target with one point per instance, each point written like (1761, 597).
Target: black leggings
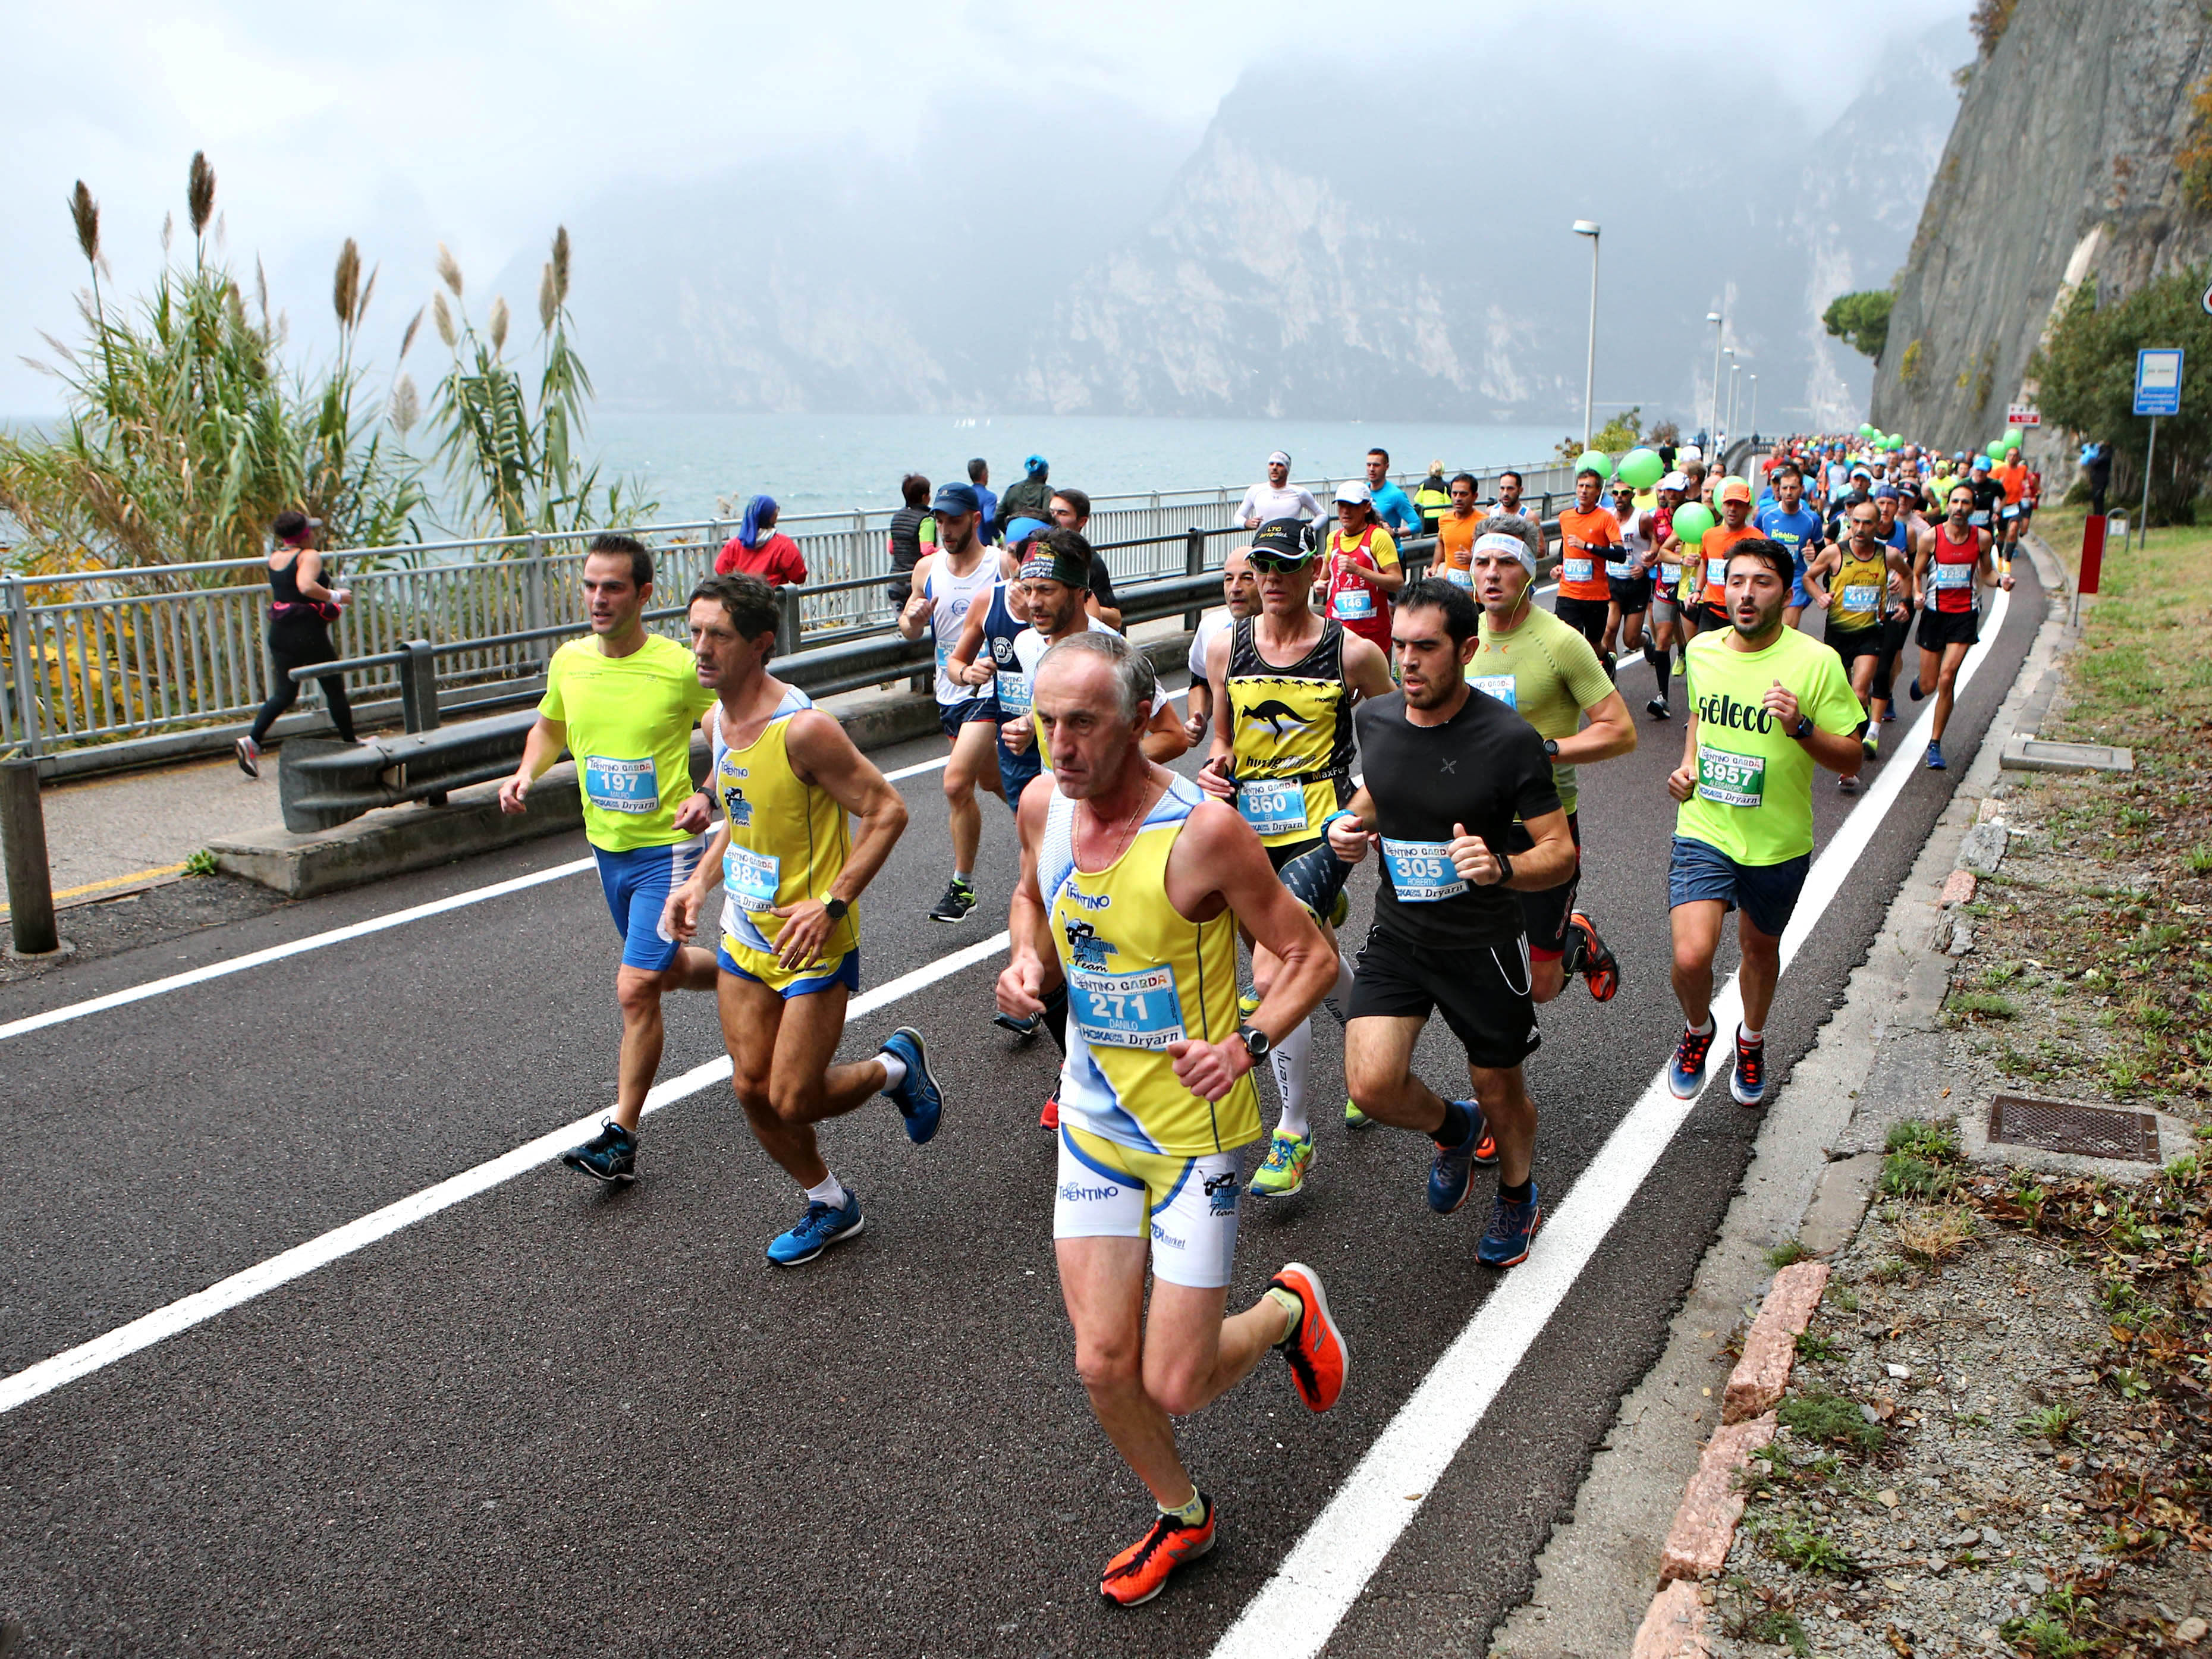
(297, 642)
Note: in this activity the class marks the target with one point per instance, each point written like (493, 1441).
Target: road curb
(1807, 1182)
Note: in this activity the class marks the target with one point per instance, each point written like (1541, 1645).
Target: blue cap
(957, 498)
(1023, 528)
(1888, 493)
(1035, 464)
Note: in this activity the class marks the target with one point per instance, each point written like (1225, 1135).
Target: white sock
(830, 1192)
(894, 1069)
(1705, 1030)
(1289, 1058)
(1343, 982)
(1745, 1034)
(960, 876)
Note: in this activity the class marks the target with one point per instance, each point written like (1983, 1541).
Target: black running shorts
(1940, 628)
(1483, 993)
(1632, 594)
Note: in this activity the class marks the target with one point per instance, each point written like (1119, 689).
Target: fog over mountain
(1324, 248)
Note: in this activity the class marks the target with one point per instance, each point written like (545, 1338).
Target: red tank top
(1952, 570)
(1354, 597)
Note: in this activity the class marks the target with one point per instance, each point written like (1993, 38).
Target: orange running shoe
(1601, 970)
(1318, 1361)
(1049, 1118)
(1140, 1571)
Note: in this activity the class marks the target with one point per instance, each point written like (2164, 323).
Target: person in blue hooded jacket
(759, 549)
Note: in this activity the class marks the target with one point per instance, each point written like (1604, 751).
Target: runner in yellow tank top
(1132, 888)
(786, 775)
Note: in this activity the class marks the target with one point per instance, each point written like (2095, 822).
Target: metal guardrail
(92, 657)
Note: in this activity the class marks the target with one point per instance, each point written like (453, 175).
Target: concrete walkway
(107, 834)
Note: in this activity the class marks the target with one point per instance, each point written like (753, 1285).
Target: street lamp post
(1589, 228)
(1735, 369)
(1754, 409)
(1713, 423)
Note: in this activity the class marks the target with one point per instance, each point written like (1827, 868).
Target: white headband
(1512, 546)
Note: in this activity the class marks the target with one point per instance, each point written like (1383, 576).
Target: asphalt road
(554, 1420)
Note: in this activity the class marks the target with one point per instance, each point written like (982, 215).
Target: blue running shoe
(1686, 1073)
(1916, 692)
(919, 1099)
(817, 1230)
(1447, 1169)
(1935, 757)
(1511, 1226)
(1747, 1080)
(610, 1156)
(1888, 713)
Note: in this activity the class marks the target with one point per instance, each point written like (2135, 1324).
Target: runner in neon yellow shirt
(1767, 704)
(622, 703)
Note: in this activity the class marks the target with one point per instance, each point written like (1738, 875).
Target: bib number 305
(1421, 871)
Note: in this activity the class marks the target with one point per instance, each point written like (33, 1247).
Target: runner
(1767, 704)
(1691, 463)
(1394, 509)
(1589, 536)
(623, 702)
(1452, 779)
(1454, 533)
(2012, 475)
(1787, 520)
(1360, 570)
(1240, 596)
(960, 571)
(1710, 612)
(1133, 887)
(1949, 568)
(786, 776)
(1288, 679)
(1865, 586)
(1508, 498)
(1628, 577)
(1667, 633)
(1278, 498)
(1542, 669)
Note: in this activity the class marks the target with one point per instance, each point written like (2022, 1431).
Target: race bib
(1669, 574)
(1138, 1009)
(1717, 571)
(1731, 780)
(751, 878)
(1577, 568)
(1355, 603)
(1500, 686)
(1421, 871)
(1861, 596)
(1619, 569)
(1977, 518)
(2012, 511)
(1013, 693)
(1457, 577)
(1272, 808)
(620, 786)
(1954, 575)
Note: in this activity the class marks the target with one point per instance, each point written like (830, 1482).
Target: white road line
(1294, 1614)
(46, 1376)
(278, 952)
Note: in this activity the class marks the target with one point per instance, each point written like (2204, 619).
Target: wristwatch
(834, 908)
(1803, 728)
(1256, 1042)
(1505, 868)
(1552, 748)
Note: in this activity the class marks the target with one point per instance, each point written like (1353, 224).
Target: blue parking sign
(2158, 382)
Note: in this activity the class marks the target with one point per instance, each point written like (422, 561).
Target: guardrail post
(23, 642)
(30, 883)
(533, 595)
(419, 686)
(1194, 564)
(786, 620)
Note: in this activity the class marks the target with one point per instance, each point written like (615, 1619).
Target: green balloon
(1692, 521)
(1867, 429)
(1643, 468)
(1595, 460)
(2012, 440)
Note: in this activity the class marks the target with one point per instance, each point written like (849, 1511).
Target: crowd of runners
(1175, 935)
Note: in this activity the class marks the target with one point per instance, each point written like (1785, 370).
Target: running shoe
(1448, 1167)
(610, 1156)
(1748, 1077)
(1511, 1226)
(817, 1230)
(1847, 786)
(1915, 689)
(1685, 1074)
(1600, 967)
(1934, 757)
(1026, 1029)
(1049, 1118)
(1870, 741)
(1283, 1172)
(1140, 1571)
(959, 899)
(249, 757)
(919, 1099)
(1889, 713)
(1248, 1003)
(1658, 710)
(1319, 1364)
(1353, 1117)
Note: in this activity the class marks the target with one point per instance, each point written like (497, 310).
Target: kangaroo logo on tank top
(1274, 711)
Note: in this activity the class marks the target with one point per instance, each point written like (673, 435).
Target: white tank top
(950, 596)
(1634, 544)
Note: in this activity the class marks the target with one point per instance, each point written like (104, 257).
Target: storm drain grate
(2059, 1125)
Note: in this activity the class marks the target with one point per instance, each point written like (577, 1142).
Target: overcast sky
(483, 125)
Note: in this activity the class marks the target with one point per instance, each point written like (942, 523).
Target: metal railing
(92, 657)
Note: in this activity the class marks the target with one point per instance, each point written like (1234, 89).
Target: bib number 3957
(1729, 778)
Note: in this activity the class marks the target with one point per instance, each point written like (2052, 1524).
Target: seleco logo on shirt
(1721, 709)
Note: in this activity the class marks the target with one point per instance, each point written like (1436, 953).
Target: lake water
(693, 464)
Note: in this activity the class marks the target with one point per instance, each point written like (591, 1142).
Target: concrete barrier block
(1696, 1545)
(1768, 1352)
(2023, 753)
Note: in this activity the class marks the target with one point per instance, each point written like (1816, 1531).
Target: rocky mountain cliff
(2060, 169)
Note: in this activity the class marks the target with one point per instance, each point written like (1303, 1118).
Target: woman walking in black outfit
(301, 611)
